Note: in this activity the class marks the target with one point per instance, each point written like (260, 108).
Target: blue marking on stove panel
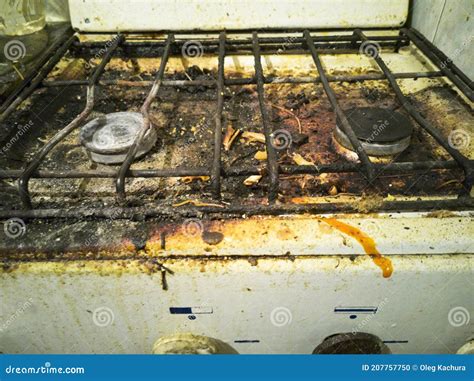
(190, 310)
(354, 310)
(180, 310)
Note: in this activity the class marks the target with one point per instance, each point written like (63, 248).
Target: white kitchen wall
(449, 24)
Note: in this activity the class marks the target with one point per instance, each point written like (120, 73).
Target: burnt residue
(185, 121)
(84, 237)
(212, 237)
(318, 120)
(146, 264)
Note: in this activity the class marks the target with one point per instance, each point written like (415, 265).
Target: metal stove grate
(222, 46)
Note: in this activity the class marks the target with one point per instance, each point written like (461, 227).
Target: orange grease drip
(367, 243)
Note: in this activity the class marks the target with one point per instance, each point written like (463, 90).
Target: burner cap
(382, 132)
(109, 137)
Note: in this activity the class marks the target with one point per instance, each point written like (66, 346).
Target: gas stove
(174, 182)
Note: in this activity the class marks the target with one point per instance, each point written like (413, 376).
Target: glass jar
(21, 17)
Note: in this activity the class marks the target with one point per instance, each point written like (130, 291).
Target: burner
(382, 132)
(109, 137)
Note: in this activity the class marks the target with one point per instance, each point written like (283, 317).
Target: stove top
(143, 172)
(242, 124)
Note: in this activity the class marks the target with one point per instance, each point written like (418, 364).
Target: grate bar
(10, 105)
(443, 63)
(226, 46)
(368, 167)
(450, 64)
(216, 165)
(464, 162)
(333, 44)
(249, 81)
(288, 39)
(36, 162)
(120, 181)
(345, 167)
(333, 48)
(272, 163)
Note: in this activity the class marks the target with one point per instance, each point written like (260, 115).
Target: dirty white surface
(269, 306)
(255, 300)
(148, 15)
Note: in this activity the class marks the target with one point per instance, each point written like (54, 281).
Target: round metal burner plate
(381, 132)
(373, 149)
(109, 137)
(378, 125)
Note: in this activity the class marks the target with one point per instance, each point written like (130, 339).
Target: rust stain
(128, 245)
(367, 243)
(285, 233)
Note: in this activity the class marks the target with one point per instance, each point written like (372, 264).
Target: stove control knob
(467, 349)
(188, 343)
(352, 343)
